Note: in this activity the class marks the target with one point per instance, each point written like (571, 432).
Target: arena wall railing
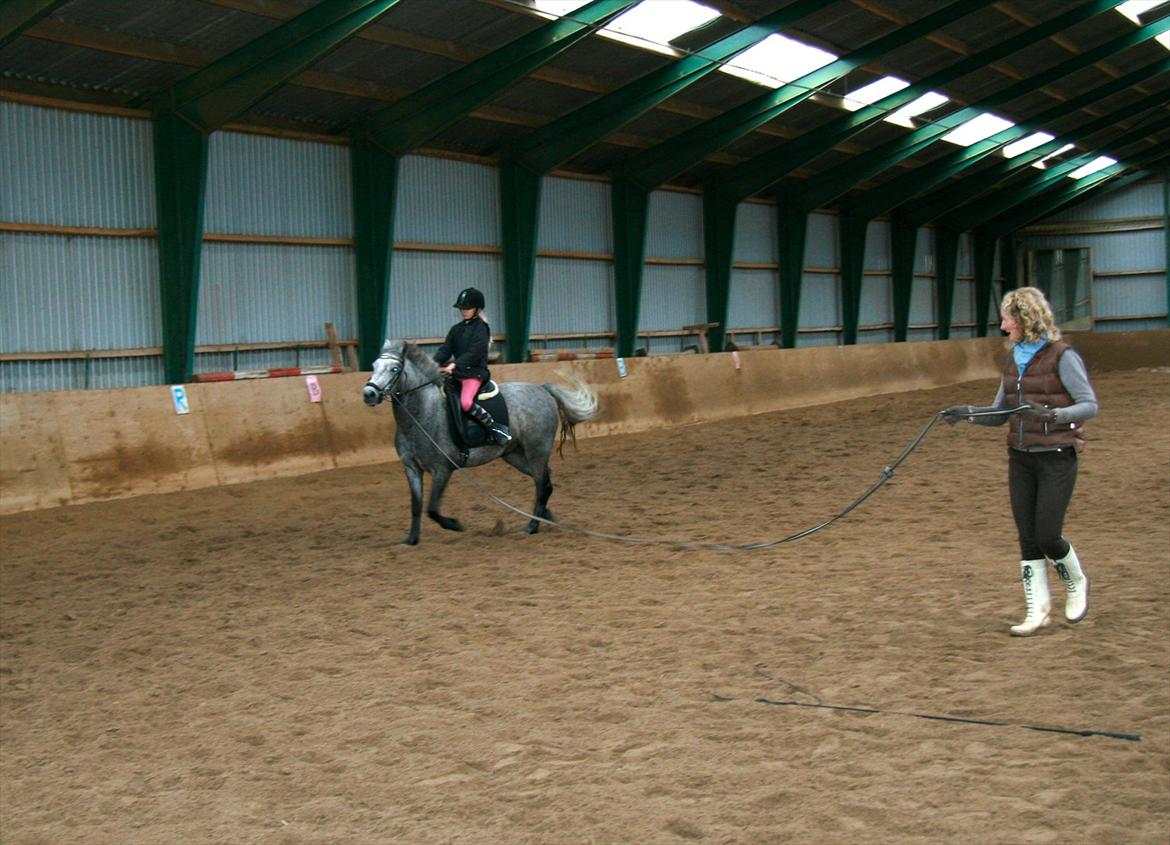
(72, 447)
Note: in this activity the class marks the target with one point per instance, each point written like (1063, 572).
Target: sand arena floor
(265, 664)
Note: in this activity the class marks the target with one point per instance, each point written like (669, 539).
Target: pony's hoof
(410, 541)
(532, 528)
(452, 524)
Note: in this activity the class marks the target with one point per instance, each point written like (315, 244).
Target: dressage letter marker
(621, 365)
(313, 388)
(179, 396)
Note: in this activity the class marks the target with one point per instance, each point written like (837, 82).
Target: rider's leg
(480, 414)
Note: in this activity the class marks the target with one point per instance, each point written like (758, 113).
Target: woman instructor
(1049, 377)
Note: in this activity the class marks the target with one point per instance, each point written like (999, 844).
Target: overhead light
(874, 91)
(777, 60)
(1043, 163)
(653, 24)
(976, 129)
(557, 8)
(1099, 163)
(1023, 145)
(904, 116)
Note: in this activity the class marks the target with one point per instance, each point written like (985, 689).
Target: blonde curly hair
(1030, 308)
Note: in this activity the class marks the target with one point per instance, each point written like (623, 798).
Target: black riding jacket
(467, 342)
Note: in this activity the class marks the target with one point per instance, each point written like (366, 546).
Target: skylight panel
(1023, 145)
(874, 91)
(1099, 163)
(1133, 8)
(904, 116)
(1043, 163)
(653, 24)
(777, 60)
(976, 129)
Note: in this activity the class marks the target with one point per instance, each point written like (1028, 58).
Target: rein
(887, 474)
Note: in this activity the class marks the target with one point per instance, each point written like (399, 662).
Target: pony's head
(390, 366)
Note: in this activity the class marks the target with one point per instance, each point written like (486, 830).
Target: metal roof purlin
(894, 193)
(658, 164)
(823, 191)
(560, 140)
(421, 115)
(1026, 189)
(18, 15)
(766, 169)
(216, 94)
(1064, 196)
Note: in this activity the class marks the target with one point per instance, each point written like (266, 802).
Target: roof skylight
(874, 91)
(1099, 163)
(904, 116)
(976, 129)
(651, 25)
(777, 60)
(1022, 146)
(1132, 8)
(1043, 163)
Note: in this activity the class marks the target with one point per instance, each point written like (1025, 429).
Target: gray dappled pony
(410, 377)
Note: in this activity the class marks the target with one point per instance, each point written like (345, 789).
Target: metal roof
(124, 53)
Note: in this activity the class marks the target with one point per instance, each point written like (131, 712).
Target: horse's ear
(387, 345)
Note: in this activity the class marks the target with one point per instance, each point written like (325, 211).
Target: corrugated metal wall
(1125, 232)
(62, 292)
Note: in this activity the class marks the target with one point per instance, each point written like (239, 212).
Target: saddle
(466, 432)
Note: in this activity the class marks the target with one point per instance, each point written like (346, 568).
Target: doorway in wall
(1066, 277)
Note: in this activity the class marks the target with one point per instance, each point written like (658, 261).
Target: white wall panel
(575, 216)
(441, 201)
(674, 225)
(755, 233)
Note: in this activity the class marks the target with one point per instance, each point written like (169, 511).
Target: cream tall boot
(1034, 574)
(1076, 583)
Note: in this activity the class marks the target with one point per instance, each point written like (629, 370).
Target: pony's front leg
(439, 479)
(415, 482)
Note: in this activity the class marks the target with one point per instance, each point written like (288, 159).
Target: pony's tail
(575, 404)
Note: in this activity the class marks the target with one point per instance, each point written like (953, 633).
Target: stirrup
(500, 433)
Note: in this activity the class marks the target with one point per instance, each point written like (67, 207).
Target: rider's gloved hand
(955, 413)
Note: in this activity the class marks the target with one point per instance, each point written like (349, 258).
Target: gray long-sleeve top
(1075, 378)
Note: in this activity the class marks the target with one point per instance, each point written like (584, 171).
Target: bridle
(393, 389)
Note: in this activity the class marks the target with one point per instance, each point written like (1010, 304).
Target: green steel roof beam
(560, 140)
(976, 213)
(18, 15)
(1064, 196)
(897, 191)
(659, 163)
(819, 192)
(766, 169)
(216, 94)
(950, 196)
(420, 116)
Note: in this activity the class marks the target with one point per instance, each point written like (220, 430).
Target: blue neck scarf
(1025, 351)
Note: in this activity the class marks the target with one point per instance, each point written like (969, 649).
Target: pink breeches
(468, 388)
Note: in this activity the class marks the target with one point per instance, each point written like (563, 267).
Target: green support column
(1007, 264)
(374, 174)
(983, 247)
(718, 246)
(180, 176)
(519, 207)
(946, 259)
(792, 225)
(852, 230)
(903, 242)
(630, 202)
(1166, 229)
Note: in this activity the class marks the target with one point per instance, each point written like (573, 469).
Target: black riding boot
(481, 416)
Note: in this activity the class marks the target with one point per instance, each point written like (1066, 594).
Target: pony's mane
(421, 360)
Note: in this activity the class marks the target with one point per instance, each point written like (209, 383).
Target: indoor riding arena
(775, 597)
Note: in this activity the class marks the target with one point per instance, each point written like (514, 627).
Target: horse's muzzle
(371, 395)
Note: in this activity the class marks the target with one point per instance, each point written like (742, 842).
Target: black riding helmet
(469, 298)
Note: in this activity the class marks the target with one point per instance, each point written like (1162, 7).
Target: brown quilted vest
(1041, 384)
